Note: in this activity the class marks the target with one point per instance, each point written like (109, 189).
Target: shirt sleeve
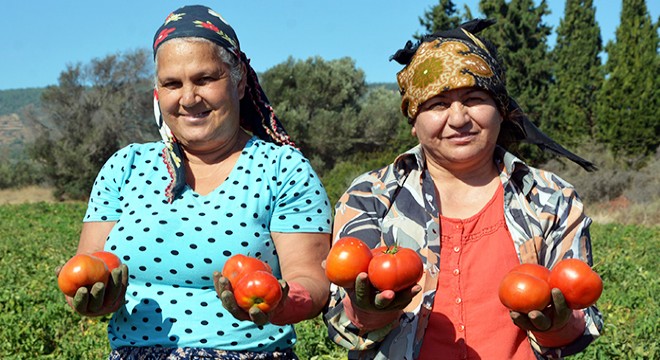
(567, 235)
(356, 214)
(301, 203)
(104, 199)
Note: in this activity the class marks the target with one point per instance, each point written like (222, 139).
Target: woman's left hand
(554, 317)
(225, 293)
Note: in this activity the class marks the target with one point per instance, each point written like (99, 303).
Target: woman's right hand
(369, 309)
(101, 299)
(366, 297)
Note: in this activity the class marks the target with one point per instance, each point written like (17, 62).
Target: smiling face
(458, 128)
(198, 100)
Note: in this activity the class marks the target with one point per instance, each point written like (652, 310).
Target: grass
(37, 324)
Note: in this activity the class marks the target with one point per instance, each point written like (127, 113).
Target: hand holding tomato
(258, 289)
(238, 265)
(555, 316)
(580, 285)
(366, 297)
(91, 295)
(111, 260)
(528, 288)
(226, 293)
(347, 258)
(522, 291)
(395, 268)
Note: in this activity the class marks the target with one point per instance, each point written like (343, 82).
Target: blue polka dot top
(173, 249)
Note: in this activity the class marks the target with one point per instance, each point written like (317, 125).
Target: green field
(37, 324)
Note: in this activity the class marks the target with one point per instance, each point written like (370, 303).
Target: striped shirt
(397, 204)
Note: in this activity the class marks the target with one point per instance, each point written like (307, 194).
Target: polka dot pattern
(173, 249)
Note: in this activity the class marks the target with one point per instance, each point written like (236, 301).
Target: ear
(242, 83)
(413, 132)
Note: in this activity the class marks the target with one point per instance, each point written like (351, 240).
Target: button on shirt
(467, 313)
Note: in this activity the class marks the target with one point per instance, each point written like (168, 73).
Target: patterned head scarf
(257, 115)
(455, 59)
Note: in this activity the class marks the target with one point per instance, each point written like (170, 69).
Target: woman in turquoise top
(225, 180)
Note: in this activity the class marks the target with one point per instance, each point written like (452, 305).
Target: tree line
(346, 126)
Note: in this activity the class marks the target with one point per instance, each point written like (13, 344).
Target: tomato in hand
(81, 270)
(539, 271)
(523, 292)
(258, 288)
(396, 268)
(347, 258)
(580, 285)
(379, 250)
(111, 260)
(239, 265)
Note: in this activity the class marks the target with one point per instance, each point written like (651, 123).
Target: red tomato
(258, 288)
(580, 285)
(539, 271)
(81, 270)
(111, 260)
(523, 292)
(379, 250)
(395, 269)
(347, 258)
(239, 265)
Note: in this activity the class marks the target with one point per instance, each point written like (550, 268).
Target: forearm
(367, 320)
(318, 290)
(565, 335)
(305, 300)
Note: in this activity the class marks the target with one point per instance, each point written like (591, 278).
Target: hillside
(13, 134)
(13, 101)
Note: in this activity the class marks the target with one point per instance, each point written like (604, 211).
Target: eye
(474, 100)
(206, 79)
(435, 104)
(171, 85)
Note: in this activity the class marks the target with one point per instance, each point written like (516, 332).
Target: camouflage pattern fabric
(397, 204)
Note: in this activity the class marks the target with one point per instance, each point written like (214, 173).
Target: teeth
(199, 115)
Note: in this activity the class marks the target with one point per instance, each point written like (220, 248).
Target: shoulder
(272, 150)
(392, 174)
(526, 176)
(274, 158)
(133, 157)
(139, 149)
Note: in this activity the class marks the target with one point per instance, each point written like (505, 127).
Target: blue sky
(39, 37)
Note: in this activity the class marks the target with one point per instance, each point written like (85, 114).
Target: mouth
(461, 136)
(196, 116)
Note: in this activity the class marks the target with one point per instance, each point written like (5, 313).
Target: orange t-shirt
(468, 320)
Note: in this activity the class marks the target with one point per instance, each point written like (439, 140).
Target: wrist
(369, 320)
(296, 307)
(565, 335)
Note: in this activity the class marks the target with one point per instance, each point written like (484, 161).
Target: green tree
(629, 101)
(93, 111)
(577, 69)
(328, 109)
(383, 126)
(443, 16)
(521, 38)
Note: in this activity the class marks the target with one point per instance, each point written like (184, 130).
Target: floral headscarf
(257, 115)
(455, 59)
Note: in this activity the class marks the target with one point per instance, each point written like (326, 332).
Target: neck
(464, 190)
(216, 154)
(475, 174)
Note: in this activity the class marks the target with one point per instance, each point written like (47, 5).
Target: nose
(189, 96)
(458, 115)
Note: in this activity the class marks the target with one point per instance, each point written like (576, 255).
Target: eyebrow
(467, 92)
